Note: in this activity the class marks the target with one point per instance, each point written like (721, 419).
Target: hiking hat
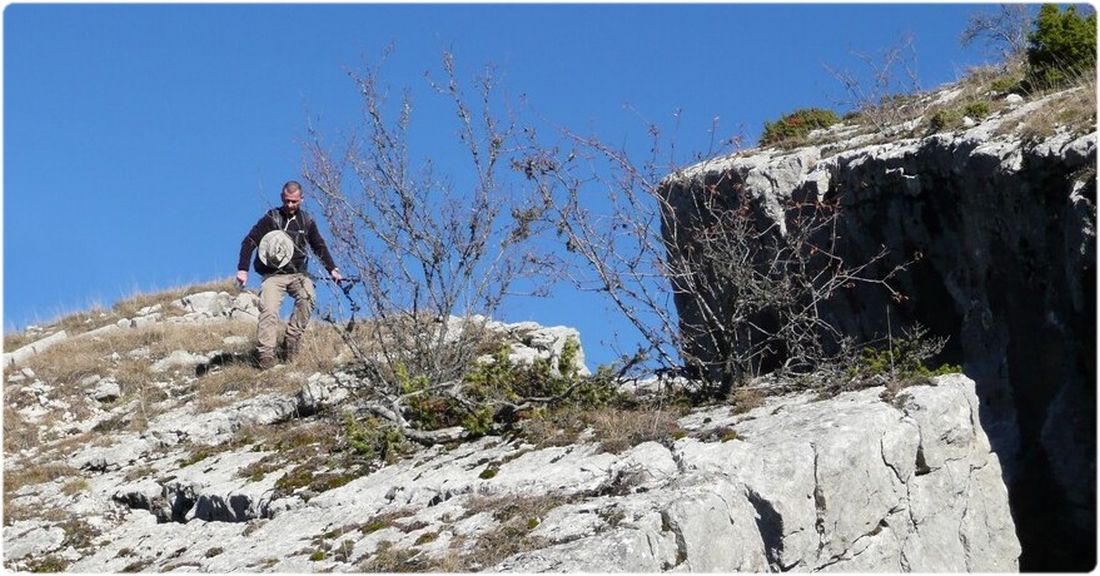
(276, 249)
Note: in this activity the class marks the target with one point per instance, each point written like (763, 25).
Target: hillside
(148, 443)
(143, 438)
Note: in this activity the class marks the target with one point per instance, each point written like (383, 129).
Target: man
(280, 238)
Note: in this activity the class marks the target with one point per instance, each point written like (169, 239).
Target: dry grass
(74, 486)
(980, 96)
(320, 345)
(34, 474)
(398, 339)
(621, 430)
(66, 363)
(517, 517)
(18, 434)
(98, 316)
(16, 340)
(616, 429)
(982, 92)
(745, 399)
(216, 389)
(387, 559)
(127, 356)
(1074, 110)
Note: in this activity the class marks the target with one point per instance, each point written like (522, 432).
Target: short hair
(292, 187)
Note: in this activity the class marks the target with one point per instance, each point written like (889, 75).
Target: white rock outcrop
(989, 233)
(851, 483)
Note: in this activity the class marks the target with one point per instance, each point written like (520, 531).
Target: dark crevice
(770, 524)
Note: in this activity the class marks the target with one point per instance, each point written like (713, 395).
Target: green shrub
(1061, 47)
(904, 358)
(500, 381)
(50, 563)
(1006, 84)
(977, 110)
(794, 127)
(371, 438)
(946, 119)
(952, 118)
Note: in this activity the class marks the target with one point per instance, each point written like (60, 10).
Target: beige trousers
(272, 290)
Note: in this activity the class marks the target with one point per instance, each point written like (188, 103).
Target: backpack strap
(307, 220)
(276, 216)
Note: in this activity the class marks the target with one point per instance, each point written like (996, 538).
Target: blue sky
(142, 141)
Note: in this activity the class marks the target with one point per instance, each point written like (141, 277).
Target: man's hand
(336, 276)
(242, 278)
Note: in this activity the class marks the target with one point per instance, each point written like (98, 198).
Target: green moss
(729, 435)
(488, 472)
(197, 456)
(376, 524)
(372, 439)
(427, 538)
(298, 477)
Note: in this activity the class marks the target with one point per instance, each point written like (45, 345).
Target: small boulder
(107, 390)
(179, 358)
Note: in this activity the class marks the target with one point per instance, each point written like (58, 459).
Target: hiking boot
(290, 348)
(265, 361)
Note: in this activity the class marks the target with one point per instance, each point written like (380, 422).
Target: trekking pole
(345, 284)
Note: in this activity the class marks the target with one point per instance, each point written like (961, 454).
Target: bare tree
(714, 288)
(432, 255)
(885, 96)
(1003, 31)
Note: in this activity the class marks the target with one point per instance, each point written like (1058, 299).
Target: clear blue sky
(142, 141)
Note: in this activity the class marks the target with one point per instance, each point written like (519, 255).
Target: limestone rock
(171, 480)
(106, 390)
(851, 483)
(204, 305)
(179, 358)
(997, 233)
(28, 539)
(36, 347)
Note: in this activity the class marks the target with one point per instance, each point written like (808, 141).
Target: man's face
(292, 201)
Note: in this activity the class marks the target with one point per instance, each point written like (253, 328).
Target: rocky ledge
(862, 481)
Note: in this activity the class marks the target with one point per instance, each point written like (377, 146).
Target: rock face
(1005, 232)
(851, 483)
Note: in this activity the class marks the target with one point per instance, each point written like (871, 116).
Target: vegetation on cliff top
(1054, 50)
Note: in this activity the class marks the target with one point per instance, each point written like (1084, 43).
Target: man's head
(292, 197)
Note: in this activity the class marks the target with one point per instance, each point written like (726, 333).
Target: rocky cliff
(138, 445)
(998, 224)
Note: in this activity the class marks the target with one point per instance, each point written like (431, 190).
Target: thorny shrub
(493, 394)
(792, 129)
